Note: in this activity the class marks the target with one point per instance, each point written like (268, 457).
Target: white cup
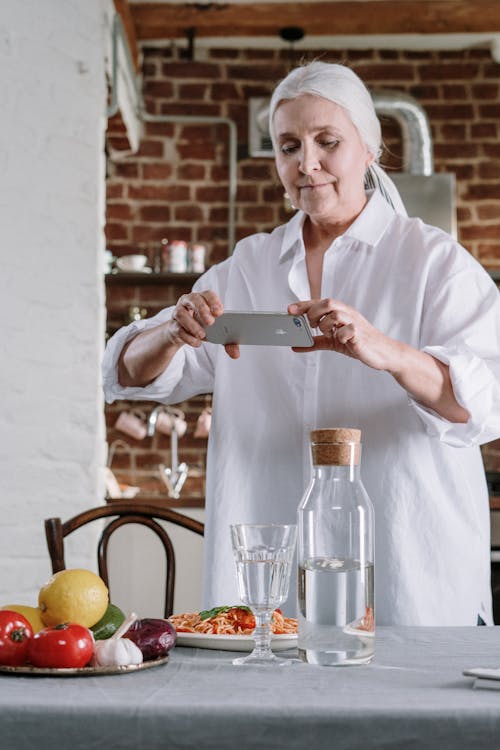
(171, 419)
(132, 262)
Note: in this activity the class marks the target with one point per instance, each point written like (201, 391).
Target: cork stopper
(339, 446)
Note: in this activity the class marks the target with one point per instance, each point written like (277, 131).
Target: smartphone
(260, 328)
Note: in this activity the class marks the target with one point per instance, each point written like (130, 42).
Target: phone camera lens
(298, 322)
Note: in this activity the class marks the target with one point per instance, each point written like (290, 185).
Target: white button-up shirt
(423, 474)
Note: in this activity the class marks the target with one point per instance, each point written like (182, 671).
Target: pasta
(229, 621)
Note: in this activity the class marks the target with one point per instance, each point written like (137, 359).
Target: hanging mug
(132, 423)
(171, 419)
(203, 423)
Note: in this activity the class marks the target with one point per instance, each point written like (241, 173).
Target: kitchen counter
(413, 695)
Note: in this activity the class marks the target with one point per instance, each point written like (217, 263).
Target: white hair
(339, 84)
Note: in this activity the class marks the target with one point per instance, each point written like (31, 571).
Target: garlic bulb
(117, 651)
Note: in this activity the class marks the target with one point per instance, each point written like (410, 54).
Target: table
(413, 695)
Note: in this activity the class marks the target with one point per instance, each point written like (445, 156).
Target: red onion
(154, 636)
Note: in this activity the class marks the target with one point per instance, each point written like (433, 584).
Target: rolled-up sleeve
(462, 330)
(190, 372)
(158, 388)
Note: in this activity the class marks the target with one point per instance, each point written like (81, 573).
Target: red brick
(148, 232)
(481, 232)
(247, 193)
(454, 132)
(117, 143)
(256, 171)
(485, 90)
(265, 72)
(219, 173)
(261, 214)
(482, 191)
(456, 92)
(156, 171)
(155, 213)
(150, 69)
(450, 111)
(490, 110)
(192, 91)
(386, 72)
(188, 213)
(196, 133)
(115, 231)
(225, 53)
(492, 150)
(150, 147)
(159, 192)
(202, 151)
(489, 170)
(463, 214)
(158, 89)
(129, 170)
(483, 130)
(455, 150)
(211, 194)
(218, 214)
(448, 72)
(118, 211)
(114, 189)
(486, 212)
(163, 129)
(223, 92)
(198, 71)
(422, 92)
(191, 171)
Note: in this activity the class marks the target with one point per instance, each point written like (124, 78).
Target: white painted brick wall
(53, 94)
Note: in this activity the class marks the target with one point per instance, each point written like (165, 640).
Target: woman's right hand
(192, 314)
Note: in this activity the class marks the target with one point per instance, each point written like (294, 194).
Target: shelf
(150, 279)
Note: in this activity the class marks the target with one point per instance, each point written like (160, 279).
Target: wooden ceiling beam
(171, 20)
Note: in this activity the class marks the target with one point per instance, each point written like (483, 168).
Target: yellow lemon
(32, 614)
(73, 595)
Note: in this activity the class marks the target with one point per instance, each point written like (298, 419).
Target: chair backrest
(123, 512)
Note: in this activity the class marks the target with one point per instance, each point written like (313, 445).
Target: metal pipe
(415, 128)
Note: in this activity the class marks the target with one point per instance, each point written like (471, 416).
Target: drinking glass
(263, 554)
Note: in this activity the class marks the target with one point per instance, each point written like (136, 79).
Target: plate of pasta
(230, 628)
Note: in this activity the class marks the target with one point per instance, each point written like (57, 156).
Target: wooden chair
(125, 512)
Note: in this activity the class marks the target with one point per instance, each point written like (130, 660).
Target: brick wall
(177, 185)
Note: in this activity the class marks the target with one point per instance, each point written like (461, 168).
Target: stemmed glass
(263, 554)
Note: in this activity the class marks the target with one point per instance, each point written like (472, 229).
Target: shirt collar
(367, 228)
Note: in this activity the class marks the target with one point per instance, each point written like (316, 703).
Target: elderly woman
(408, 350)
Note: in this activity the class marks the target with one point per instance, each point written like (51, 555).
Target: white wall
(53, 94)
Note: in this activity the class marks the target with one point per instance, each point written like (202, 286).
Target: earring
(287, 203)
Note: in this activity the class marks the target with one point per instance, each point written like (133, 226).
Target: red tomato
(65, 645)
(242, 618)
(15, 636)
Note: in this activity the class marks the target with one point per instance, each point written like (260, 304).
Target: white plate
(233, 642)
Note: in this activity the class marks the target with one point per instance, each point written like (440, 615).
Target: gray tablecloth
(413, 695)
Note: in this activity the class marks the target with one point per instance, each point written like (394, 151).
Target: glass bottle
(336, 555)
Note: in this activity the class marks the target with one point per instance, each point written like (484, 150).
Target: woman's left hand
(346, 331)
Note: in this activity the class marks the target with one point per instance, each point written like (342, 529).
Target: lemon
(73, 595)
(109, 623)
(32, 614)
